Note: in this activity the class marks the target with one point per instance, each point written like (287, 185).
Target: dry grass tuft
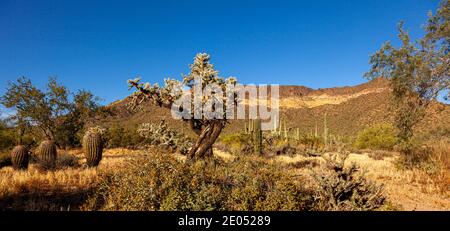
(43, 182)
(64, 188)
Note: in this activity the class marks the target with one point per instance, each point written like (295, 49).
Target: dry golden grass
(405, 189)
(408, 189)
(440, 156)
(35, 181)
(29, 190)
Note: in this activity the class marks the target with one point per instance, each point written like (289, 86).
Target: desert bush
(431, 157)
(415, 157)
(440, 156)
(5, 159)
(161, 182)
(433, 160)
(312, 142)
(346, 189)
(380, 154)
(238, 143)
(380, 136)
(7, 140)
(284, 148)
(66, 160)
(119, 137)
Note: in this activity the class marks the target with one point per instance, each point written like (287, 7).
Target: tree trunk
(208, 136)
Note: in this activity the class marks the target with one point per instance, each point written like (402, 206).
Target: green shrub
(237, 143)
(66, 160)
(380, 136)
(159, 181)
(119, 137)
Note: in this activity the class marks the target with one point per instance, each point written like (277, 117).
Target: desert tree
(418, 71)
(7, 139)
(55, 112)
(201, 77)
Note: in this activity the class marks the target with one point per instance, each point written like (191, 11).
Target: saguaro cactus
(47, 154)
(325, 131)
(93, 147)
(19, 157)
(275, 125)
(257, 136)
(245, 128)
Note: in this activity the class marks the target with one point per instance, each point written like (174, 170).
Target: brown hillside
(348, 109)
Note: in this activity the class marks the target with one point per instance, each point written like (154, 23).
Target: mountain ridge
(349, 109)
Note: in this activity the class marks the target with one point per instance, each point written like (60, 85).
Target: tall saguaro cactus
(325, 131)
(257, 136)
(20, 157)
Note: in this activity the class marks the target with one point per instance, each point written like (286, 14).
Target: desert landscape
(174, 144)
(294, 152)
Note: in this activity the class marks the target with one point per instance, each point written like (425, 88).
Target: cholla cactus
(97, 130)
(161, 134)
(346, 188)
(208, 129)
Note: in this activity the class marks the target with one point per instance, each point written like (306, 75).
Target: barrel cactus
(20, 157)
(47, 154)
(93, 146)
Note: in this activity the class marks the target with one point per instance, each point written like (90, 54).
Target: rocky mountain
(348, 110)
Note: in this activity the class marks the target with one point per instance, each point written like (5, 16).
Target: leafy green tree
(56, 112)
(418, 71)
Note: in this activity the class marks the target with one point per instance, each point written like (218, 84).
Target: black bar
(171, 220)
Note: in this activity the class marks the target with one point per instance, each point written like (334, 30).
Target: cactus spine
(93, 147)
(47, 154)
(20, 157)
(257, 136)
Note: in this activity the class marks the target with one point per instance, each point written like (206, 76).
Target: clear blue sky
(98, 45)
